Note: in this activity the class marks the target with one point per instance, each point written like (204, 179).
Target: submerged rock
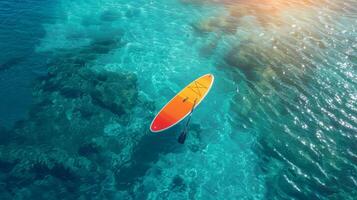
(245, 58)
(115, 92)
(109, 16)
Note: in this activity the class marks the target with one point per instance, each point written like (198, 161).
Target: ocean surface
(81, 81)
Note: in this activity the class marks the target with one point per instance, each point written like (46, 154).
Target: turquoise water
(279, 123)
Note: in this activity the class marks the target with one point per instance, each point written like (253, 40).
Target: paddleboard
(182, 104)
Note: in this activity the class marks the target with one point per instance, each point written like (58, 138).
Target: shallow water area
(279, 122)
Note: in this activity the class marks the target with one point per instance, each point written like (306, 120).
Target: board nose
(154, 128)
(160, 123)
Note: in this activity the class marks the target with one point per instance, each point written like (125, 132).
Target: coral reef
(66, 149)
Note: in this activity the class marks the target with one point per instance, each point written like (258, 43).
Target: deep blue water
(81, 80)
(21, 28)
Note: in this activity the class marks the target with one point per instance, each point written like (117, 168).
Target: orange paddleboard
(182, 104)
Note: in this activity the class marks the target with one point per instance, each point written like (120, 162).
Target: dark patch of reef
(11, 62)
(79, 132)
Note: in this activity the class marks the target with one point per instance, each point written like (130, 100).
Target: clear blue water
(21, 29)
(83, 79)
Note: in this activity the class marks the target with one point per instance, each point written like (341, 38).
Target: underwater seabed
(279, 122)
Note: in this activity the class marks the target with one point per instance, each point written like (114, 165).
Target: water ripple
(302, 81)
